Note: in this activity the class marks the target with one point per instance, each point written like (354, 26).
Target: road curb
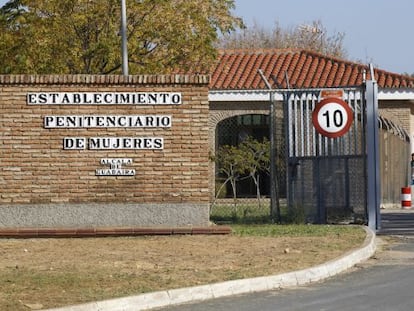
(229, 288)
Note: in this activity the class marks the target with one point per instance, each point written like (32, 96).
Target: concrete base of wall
(103, 215)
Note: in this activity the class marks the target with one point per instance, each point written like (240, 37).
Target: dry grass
(59, 272)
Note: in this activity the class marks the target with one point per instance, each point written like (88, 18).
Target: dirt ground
(45, 273)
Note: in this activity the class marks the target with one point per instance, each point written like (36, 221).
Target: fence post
(274, 185)
(372, 141)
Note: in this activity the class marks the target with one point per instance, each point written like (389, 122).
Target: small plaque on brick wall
(116, 167)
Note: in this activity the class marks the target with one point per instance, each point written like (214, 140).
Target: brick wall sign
(93, 151)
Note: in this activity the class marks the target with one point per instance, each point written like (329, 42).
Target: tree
(247, 160)
(313, 37)
(231, 163)
(257, 160)
(82, 36)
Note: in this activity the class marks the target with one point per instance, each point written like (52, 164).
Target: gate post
(372, 145)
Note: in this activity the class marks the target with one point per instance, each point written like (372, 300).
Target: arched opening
(233, 131)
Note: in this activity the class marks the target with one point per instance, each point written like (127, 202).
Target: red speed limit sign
(332, 117)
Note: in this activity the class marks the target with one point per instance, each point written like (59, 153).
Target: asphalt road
(397, 223)
(383, 283)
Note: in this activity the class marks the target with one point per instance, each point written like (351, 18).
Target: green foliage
(82, 36)
(257, 159)
(258, 154)
(296, 215)
(296, 230)
(240, 214)
(231, 164)
(235, 162)
(220, 189)
(249, 213)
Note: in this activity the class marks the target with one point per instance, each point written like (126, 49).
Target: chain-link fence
(244, 196)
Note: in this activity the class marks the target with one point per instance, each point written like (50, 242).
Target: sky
(380, 32)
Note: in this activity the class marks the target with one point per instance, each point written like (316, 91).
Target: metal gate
(326, 177)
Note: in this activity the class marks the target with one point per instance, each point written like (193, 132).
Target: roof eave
(396, 94)
(262, 95)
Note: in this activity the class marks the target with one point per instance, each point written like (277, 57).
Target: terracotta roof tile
(238, 70)
(278, 73)
(313, 79)
(354, 78)
(307, 61)
(331, 74)
(325, 73)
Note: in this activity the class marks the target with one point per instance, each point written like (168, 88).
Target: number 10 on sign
(332, 117)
